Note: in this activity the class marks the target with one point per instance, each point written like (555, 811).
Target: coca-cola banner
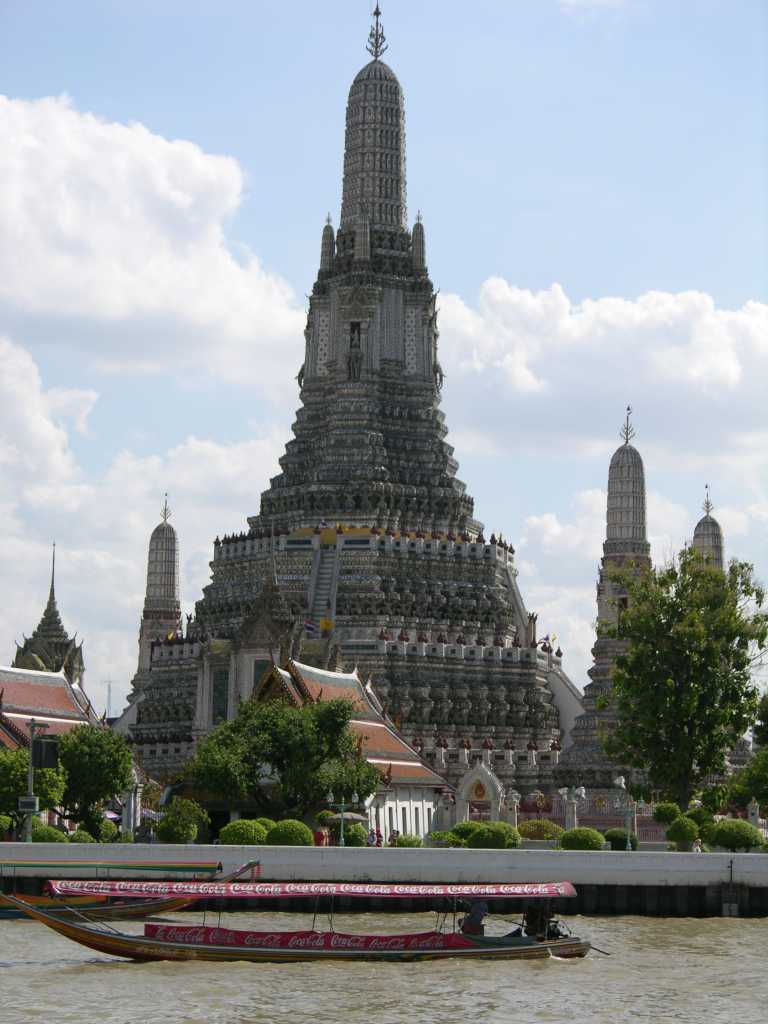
(194, 936)
(277, 890)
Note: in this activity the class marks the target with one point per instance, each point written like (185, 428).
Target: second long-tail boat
(538, 936)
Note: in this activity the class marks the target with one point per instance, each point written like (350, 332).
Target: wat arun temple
(367, 550)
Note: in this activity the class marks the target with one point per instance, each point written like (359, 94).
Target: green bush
(46, 833)
(266, 823)
(683, 831)
(617, 837)
(540, 828)
(125, 837)
(734, 834)
(5, 824)
(464, 829)
(245, 832)
(494, 835)
(323, 818)
(80, 835)
(108, 831)
(581, 839)
(666, 813)
(447, 839)
(290, 833)
(406, 839)
(355, 834)
(704, 819)
(181, 821)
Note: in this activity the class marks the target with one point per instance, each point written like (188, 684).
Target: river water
(707, 971)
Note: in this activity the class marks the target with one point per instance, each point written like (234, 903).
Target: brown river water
(707, 971)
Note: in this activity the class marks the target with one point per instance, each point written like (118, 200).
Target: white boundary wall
(333, 864)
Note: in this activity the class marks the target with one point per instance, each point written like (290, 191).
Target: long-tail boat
(105, 906)
(172, 941)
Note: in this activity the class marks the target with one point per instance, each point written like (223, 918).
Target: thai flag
(309, 627)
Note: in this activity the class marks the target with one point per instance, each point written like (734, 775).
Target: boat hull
(312, 946)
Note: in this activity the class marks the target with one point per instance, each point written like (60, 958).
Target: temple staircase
(321, 607)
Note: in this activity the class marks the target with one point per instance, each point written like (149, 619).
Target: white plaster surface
(332, 864)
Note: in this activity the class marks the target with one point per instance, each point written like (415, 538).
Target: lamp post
(29, 804)
(341, 805)
(625, 803)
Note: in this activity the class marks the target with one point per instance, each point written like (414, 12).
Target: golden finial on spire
(627, 431)
(328, 219)
(166, 511)
(377, 41)
(707, 506)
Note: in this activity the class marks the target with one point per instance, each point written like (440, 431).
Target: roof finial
(328, 219)
(165, 511)
(377, 41)
(53, 566)
(707, 506)
(627, 431)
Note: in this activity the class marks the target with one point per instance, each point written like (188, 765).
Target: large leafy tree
(98, 764)
(751, 781)
(682, 690)
(760, 728)
(49, 783)
(300, 752)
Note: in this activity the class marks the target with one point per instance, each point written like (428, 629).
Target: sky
(592, 176)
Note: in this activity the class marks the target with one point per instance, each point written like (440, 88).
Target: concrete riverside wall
(334, 864)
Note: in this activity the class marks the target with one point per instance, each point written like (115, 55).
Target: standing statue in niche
(355, 357)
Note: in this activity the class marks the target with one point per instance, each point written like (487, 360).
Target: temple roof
(50, 627)
(376, 71)
(45, 696)
(381, 744)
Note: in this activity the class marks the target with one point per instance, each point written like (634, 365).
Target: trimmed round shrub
(446, 839)
(494, 835)
(47, 834)
(617, 837)
(245, 832)
(704, 819)
(734, 834)
(666, 813)
(107, 831)
(540, 828)
(323, 818)
(355, 834)
(290, 832)
(5, 824)
(683, 831)
(81, 836)
(125, 837)
(407, 839)
(464, 829)
(266, 823)
(581, 839)
(181, 821)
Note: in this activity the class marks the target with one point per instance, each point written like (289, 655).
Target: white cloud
(123, 236)
(102, 522)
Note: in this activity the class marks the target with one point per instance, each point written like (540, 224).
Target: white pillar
(571, 818)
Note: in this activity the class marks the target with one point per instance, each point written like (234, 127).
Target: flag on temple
(309, 627)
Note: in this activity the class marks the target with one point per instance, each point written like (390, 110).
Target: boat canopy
(278, 890)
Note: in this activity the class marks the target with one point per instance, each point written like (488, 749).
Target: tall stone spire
(162, 606)
(50, 626)
(708, 535)
(50, 647)
(626, 544)
(374, 149)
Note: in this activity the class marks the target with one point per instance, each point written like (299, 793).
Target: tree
(760, 728)
(48, 783)
(301, 752)
(751, 781)
(181, 821)
(682, 689)
(98, 764)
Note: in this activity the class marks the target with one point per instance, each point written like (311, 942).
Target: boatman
(472, 924)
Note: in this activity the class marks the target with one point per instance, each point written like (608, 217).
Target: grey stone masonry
(365, 550)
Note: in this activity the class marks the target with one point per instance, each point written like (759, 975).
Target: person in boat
(472, 922)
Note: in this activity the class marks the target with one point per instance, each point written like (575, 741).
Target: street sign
(45, 752)
(29, 804)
